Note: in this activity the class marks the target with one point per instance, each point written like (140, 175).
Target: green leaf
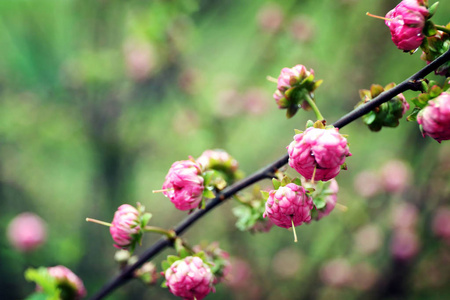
(285, 181)
(297, 181)
(172, 258)
(207, 193)
(413, 116)
(319, 203)
(145, 218)
(375, 90)
(276, 184)
(265, 194)
(432, 9)
(184, 253)
(165, 265)
(43, 279)
(298, 131)
(38, 296)
(369, 118)
(164, 284)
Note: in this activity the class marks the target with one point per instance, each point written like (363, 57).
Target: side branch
(412, 83)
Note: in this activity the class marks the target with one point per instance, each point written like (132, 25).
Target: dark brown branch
(412, 83)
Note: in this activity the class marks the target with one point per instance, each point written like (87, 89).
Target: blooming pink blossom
(184, 184)
(190, 278)
(289, 205)
(70, 284)
(319, 151)
(406, 22)
(26, 232)
(435, 118)
(125, 226)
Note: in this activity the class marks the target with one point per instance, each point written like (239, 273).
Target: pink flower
(26, 232)
(289, 204)
(289, 77)
(336, 273)
(70, 284)
(190, 278)
(322, 151)
(406, 22)
(217, 257)
(125, 227)
(184, 185)
(435, 118)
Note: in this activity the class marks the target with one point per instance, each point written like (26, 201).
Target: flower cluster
(189, 278)
(184, 185)
(295, 87)
(435, 118)
(318, 153)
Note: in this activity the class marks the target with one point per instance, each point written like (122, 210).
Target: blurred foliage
(98, 98)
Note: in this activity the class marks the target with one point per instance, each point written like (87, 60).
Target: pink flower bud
(322, 150)
(289, 77)
(406, 22)
(289, 204)
(435, 118)
(125, 226)
(190, 278)
(26, 232)
(184, 185)
(70, 284)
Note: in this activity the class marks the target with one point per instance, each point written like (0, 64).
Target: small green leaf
(432, 9)
(145, 218)
(276, 183)
(319, 203)
(285, 181)
(207, 193)
(375, 90)
(297, 181)
(164, 284)
(310, 190)
(413, 116)
(297, 131)
(265, 194)
(291, 111)
(184, 253)
(172, 258)
(165, 265)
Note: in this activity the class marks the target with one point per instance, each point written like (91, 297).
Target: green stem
(160, 230)
(442, 28)
(314, 107)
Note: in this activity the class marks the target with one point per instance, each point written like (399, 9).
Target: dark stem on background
(412, 83)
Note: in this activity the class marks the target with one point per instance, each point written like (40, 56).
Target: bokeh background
(98, 98)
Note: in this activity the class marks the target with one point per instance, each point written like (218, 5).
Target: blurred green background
(98, 98)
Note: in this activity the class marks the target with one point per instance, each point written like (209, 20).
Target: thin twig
(412, 83)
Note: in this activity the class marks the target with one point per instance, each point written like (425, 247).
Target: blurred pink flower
(255, 101)
(240, 274)
(287, 262)
(270, 17)
(26, 232)
(367, 184)
(302, 29)
(404, 216)
(441, 223)
(395, 176)
(336, 273)
(139, 60)
(68, 282)
(364, 276)
(404, 244)
(368, 239)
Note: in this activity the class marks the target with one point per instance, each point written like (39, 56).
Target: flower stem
(160, 230)
(314, 107)
(293, 229)
(442, 28)
(98, 222)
